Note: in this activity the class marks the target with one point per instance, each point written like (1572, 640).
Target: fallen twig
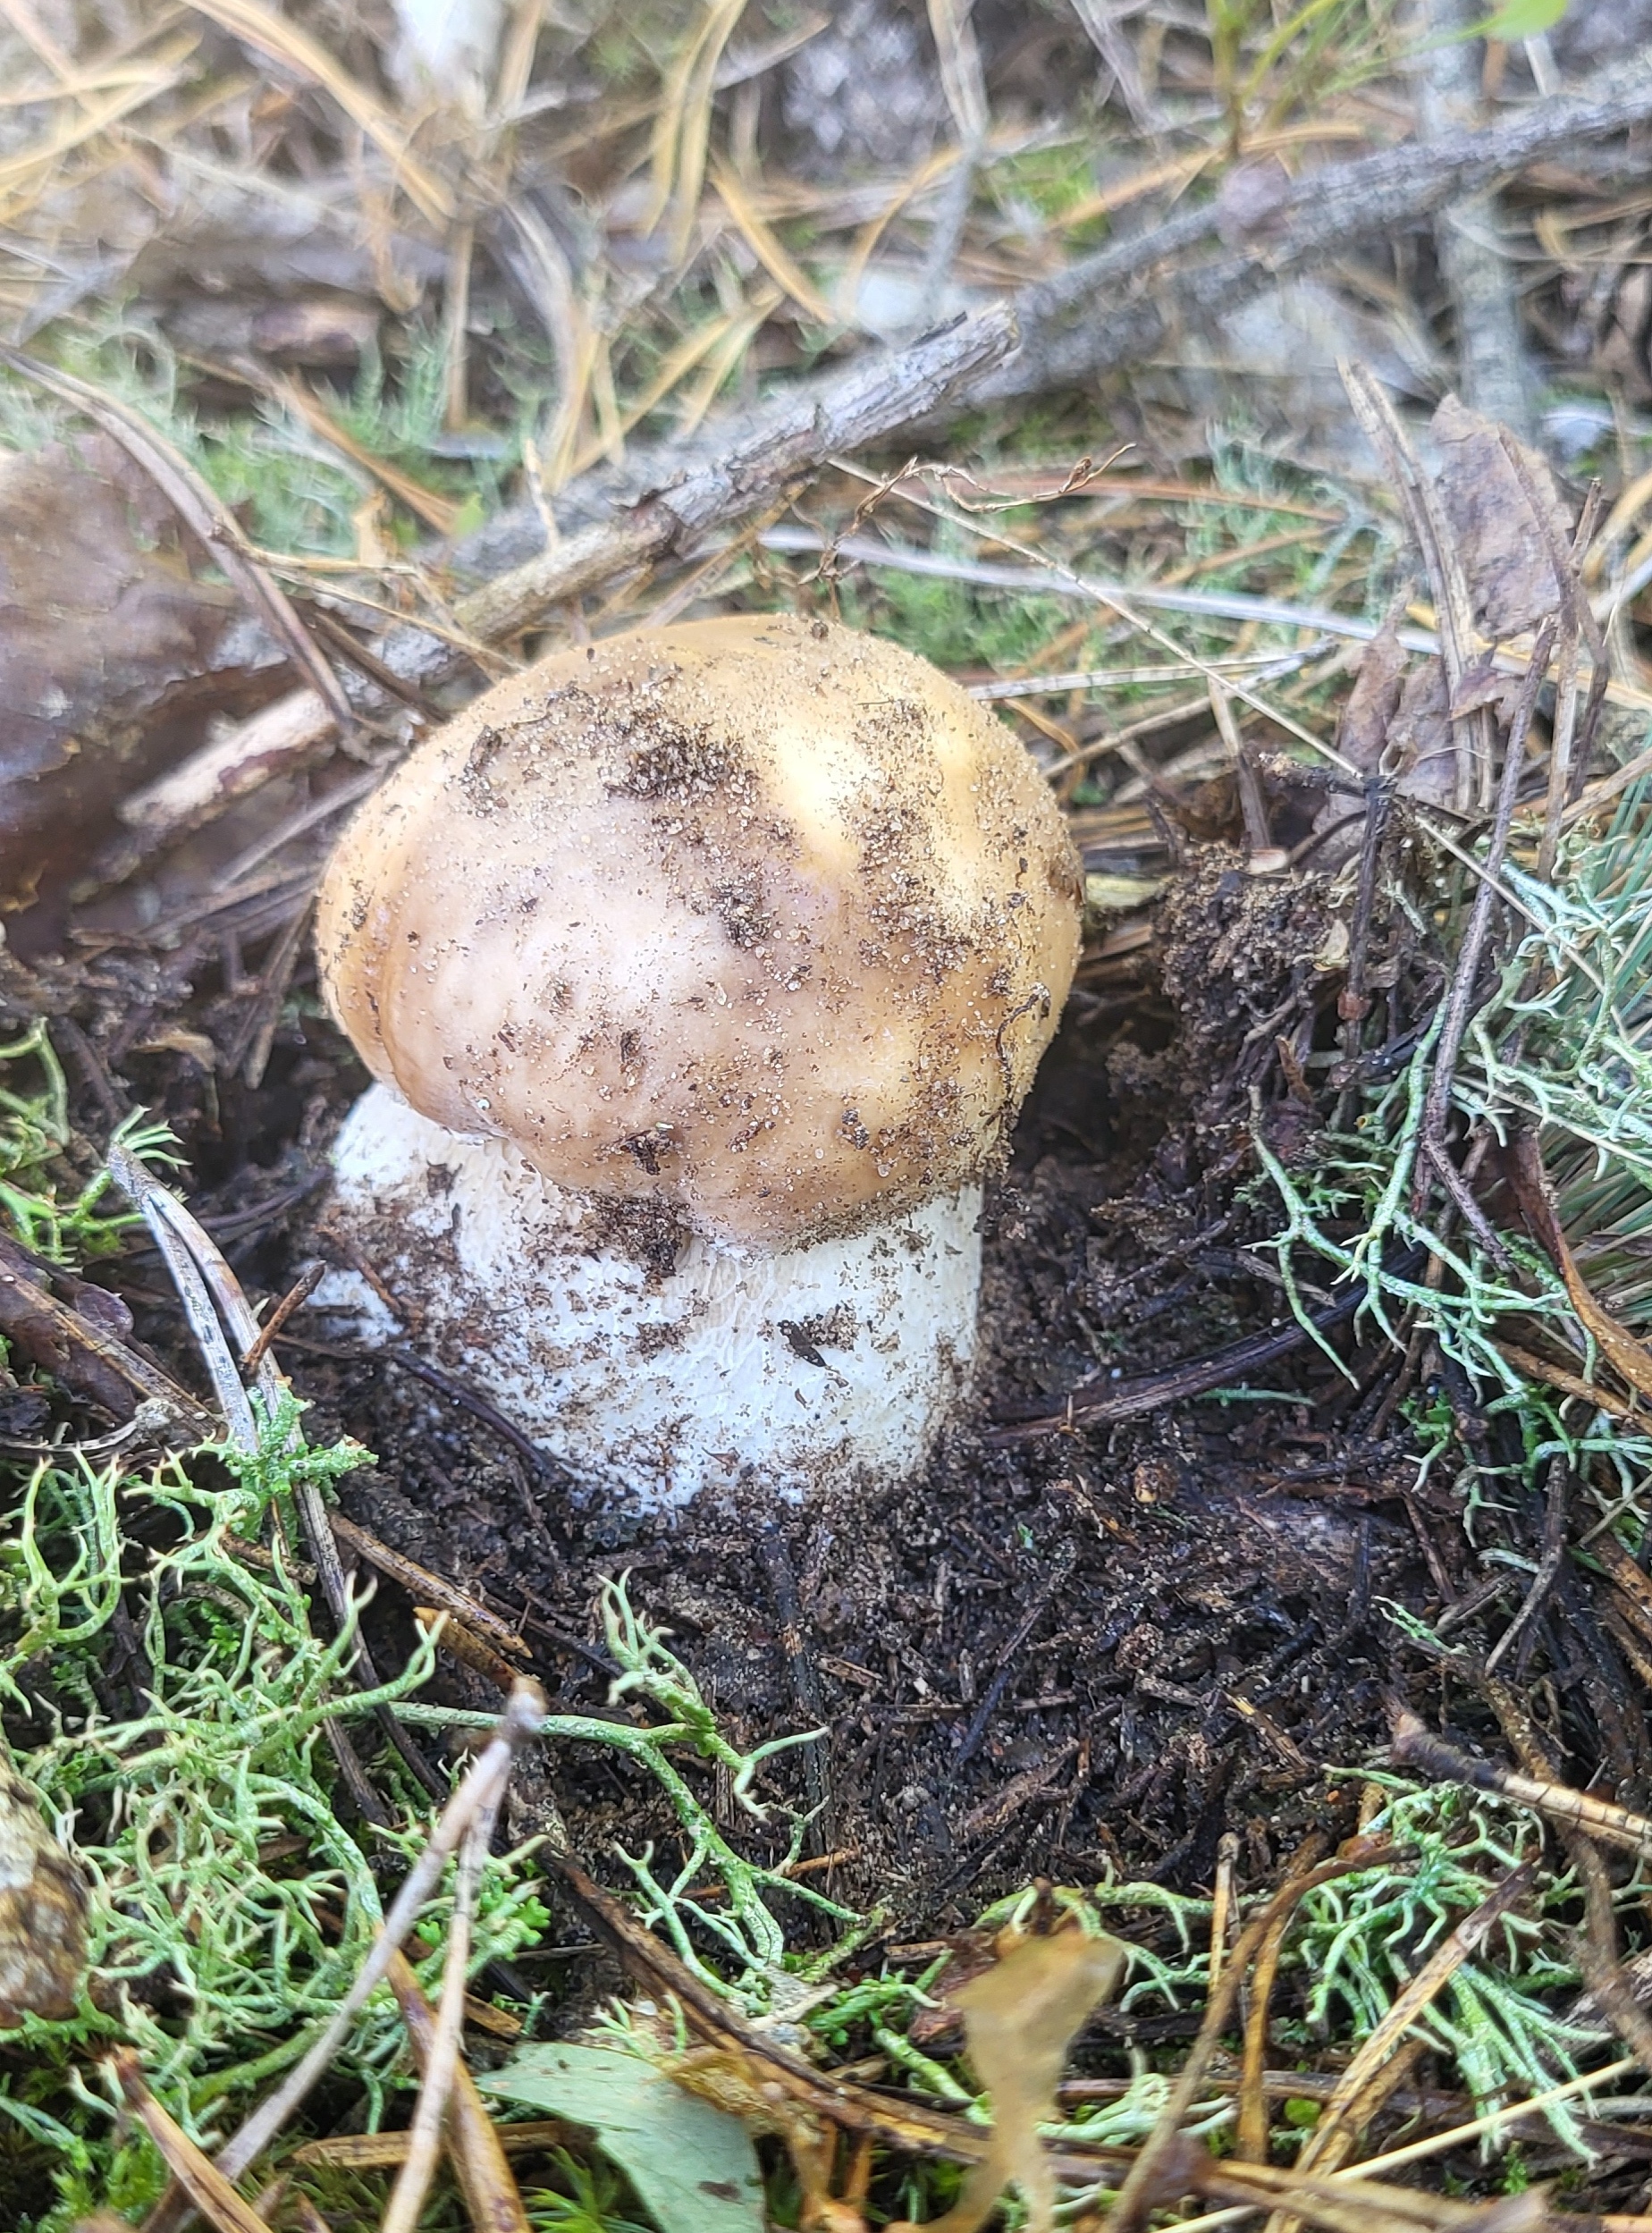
(1548, 1565)
(1119, 305)
(295, 1298)
(383, 2150)
(862, 406)
(1070, 327)
(1415, 1747)
(429, 1589)
(1219, 1367)
(969, 1743)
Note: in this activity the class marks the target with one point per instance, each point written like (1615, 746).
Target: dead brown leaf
(1362, 731)
(1020, 2017)
(1503, 545)
(42, 1914)
(1420, 749)
(113, 652)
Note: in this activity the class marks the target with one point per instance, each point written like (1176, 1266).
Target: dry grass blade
(20, 15)
(212, 1301)
(1535, 1368)
(682, 129)
(1361, 2088)
(1567, 562)
(196, 1262)
(463, 1644)
(776, 258)
(1241, 2183)
(1344, 2202)
(209, 519)
(1138, 2194)
(962, 79)
(1494, 2120)
(199, 2177)
(1103, 20)
(479, 2155)
(1046, 572)
(456, 325)
(24, 174)
(491, 2193)
(1161, 2163)
(674, 368)
(1251, 2138)
(437, 512)
(223, 1371)
(1369, 2205)
(286, 43)
(1626, 1355)
(441, 2060)
(732, 344)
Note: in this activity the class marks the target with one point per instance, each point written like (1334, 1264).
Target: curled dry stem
(221, 1320)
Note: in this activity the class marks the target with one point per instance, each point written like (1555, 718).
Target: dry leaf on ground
(1504, 547)
(114, 651)
(42, 1913)
(1021, 2017)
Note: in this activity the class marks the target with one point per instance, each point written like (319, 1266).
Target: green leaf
(693, 2166)
(1520, 18)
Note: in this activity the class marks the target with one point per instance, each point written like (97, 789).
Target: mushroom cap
(759, 920)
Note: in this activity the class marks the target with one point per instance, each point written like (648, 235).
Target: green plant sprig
(35, 1137)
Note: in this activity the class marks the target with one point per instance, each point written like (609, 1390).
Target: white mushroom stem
(790, 1369)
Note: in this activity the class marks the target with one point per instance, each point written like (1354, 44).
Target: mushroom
(703, 971)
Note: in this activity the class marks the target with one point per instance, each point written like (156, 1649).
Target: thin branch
(787, 444)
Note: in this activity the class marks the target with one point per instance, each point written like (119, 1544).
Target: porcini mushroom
(703, 971)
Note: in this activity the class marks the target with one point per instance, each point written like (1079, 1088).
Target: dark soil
(1079, 1653)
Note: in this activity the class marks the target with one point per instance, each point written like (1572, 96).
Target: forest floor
(1281, 1603)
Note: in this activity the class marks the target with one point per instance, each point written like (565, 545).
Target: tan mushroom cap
(760, 915)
